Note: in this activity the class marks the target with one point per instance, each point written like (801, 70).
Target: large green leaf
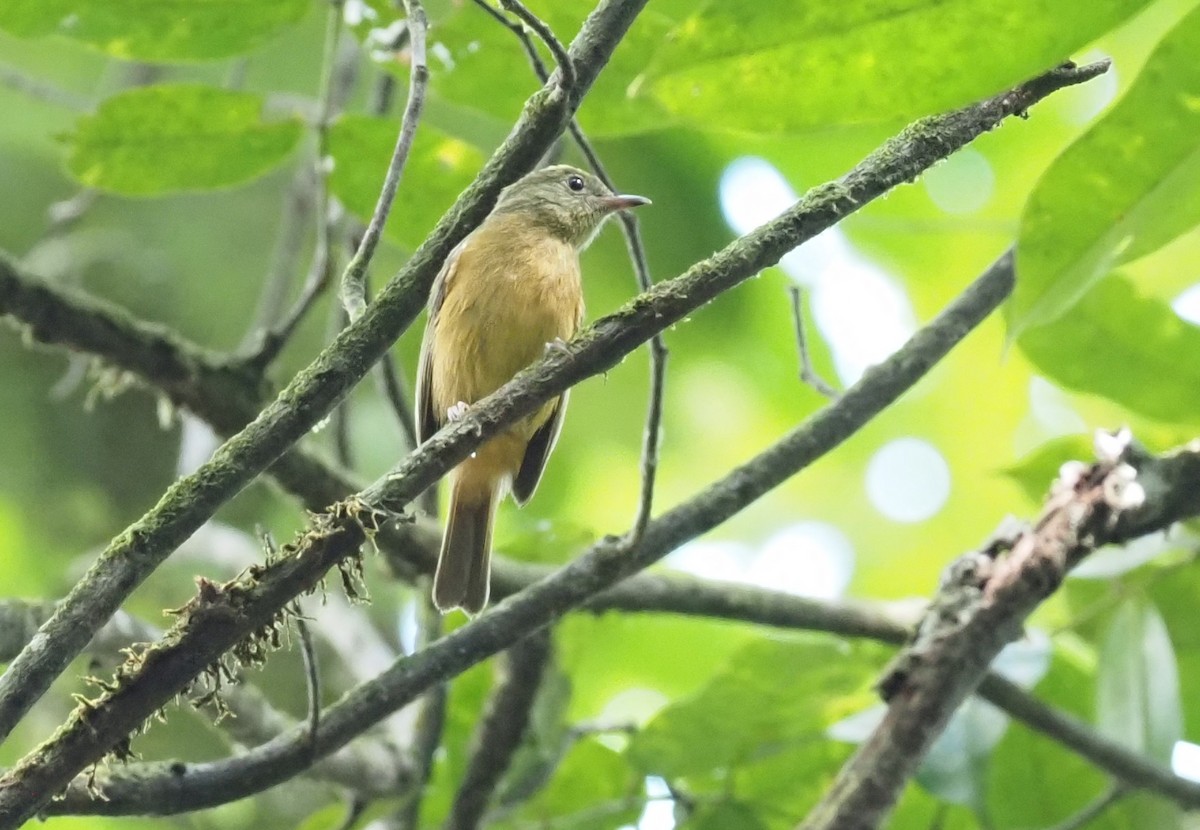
(438, 169)
(166, 139)
(1129, 348)
(153, 30)
(593, 789)
(479, 64)
(1128, 186)
(1137, 695)
(771, 695)
(779, 66)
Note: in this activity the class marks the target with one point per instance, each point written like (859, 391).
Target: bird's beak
(615, 203)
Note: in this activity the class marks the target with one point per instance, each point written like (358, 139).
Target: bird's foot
(557, 345)
(457, 412)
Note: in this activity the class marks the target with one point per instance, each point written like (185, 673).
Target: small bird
(506, 293)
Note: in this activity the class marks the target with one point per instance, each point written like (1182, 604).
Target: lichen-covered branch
(223, 615)
(982, 605)
(133, 555)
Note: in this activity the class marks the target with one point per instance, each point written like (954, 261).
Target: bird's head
(564, 201)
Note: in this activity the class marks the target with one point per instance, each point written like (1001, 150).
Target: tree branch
(499, 733)
(369, 767)
(219, 618)
(338, 534)
(981, 606)
(191, 501)
(192, 379)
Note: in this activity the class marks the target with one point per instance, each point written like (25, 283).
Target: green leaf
(1126, 347)
(753, 707)
(166, 139)
(1053, 781)
(1126, 188)
(594, 786)
(1038, 470)
(438, 169)
(1137, 695)
(782, 66)
(151, 30)
(477, 63)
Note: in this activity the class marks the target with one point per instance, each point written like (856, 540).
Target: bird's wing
(429, 420)
(537, 451)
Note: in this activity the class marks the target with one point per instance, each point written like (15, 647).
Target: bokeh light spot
(908, 480)
(961, 184)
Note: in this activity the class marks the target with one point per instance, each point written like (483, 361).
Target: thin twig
(17, 80)
(321, 271)
(289, 242)
(566, 67)
(1098, 807)
(353, 291)
(313, 680)
(641, 266)
(807, 373)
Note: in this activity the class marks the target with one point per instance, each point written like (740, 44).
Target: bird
(508, 292)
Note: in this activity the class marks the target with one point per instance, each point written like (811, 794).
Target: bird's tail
(462, 579)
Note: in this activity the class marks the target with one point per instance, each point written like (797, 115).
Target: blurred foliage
(725, 724)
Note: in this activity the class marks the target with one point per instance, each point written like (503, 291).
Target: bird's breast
(511, 293)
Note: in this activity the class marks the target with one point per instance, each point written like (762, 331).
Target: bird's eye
(575, 183)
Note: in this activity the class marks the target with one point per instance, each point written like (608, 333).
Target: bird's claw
(557, 345)
(457, 412)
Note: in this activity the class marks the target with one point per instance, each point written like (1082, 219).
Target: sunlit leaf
(782, 66)
(752, 707)
(166, 139)
(1128, 186)
(1127, 347)
(438, 169)
(1137, 695)
(592, 789)
(152, 30)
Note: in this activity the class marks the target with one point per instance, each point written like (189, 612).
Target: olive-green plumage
(507, 291)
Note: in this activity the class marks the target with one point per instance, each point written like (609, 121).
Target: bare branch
(190, 501)
(15, 79)
(354, 290)
(499, 733)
